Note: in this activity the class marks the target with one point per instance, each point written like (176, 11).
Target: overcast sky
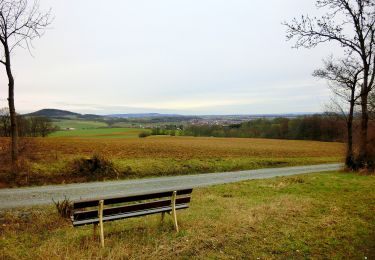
(170, 56)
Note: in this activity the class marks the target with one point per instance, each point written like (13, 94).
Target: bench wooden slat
(129, 215)
(82, 215)
(114, 200)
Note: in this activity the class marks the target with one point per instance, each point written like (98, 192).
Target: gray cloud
(213, 56)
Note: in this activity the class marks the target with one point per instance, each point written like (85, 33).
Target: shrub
(95, 168)
(64, 207)
(143, 134)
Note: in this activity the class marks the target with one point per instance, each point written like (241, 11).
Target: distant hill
(64, 114)
(49, 112)
(153, 117)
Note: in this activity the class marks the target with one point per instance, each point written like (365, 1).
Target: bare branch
(351, 23)
(20, 23)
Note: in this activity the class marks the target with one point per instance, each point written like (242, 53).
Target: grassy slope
(100, 133)
(320, 216)
(79, 124)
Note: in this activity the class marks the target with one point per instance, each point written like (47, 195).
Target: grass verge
(61, 172)
(319, 216)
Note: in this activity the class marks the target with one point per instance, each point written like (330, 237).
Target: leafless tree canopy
(311, 31)
(337, 25)
(372, 104)
(4, 122)
(21, 23)
(343, 77)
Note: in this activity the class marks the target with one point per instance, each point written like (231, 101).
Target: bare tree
(20, 23)
(351, 23)
(4, 122)
(40, 126)
(343, 77)
(28, 126)
(372, 103)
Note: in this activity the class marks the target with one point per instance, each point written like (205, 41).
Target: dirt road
(18, 197)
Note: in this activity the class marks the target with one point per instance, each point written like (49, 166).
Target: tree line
(28, 126)
(316, 127)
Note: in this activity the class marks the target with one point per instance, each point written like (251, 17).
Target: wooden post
(174, 195)
(100, 213)
(162, 217)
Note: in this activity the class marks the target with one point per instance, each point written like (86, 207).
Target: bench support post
(174, 216)
(100, 213)
(162, 217)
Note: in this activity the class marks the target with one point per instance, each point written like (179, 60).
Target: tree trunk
(349, 153)
(12, 109)
(364, 126)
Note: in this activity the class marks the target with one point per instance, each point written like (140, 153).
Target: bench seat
(128, 215)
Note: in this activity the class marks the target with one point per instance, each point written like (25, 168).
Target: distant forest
(28, 126)
(317, 127)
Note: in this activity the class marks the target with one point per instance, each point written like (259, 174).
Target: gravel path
(11, 198)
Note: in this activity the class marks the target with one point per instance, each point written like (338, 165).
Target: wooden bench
(97, 211)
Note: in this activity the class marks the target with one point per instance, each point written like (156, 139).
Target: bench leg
(174, 215)
(162, 217)
(100, 213)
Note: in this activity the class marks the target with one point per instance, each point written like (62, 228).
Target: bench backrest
(127, 206)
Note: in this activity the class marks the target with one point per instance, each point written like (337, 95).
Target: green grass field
(100, 133)
(316, 216)
(79, 124)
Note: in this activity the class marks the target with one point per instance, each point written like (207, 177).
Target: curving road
(19, 197)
